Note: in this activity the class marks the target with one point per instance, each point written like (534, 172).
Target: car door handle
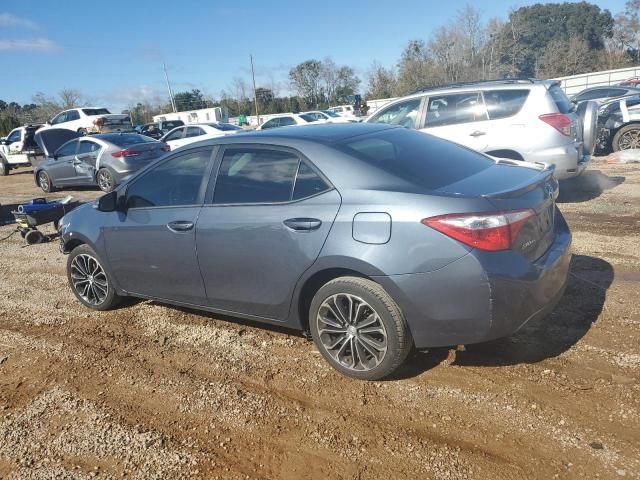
(477, 133)
(303, 224)
(180, 226)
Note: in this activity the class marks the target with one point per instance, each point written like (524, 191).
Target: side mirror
(108, 202)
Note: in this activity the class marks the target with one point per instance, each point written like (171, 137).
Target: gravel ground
(153, 391)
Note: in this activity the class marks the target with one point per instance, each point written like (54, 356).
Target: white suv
(530, 120)
(90, 119)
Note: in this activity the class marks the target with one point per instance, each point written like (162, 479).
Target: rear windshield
(560, 98)
(126, 139)
(416, 157)
(95, 111)
(172, 124)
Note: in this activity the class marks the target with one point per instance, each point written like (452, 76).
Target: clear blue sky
(112, 51)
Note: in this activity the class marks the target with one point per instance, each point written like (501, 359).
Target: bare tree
(71, 98)
(381, 82)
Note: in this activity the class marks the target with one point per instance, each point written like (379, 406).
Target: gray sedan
(102, 160)
(374, 238)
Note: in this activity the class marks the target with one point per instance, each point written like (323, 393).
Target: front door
(264, 225)
(151, 248)
(85, 161)
(61, 168)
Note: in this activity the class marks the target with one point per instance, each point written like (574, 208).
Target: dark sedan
(103, 160)
(374, 238)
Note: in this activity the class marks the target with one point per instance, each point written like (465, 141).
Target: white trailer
(204, 115)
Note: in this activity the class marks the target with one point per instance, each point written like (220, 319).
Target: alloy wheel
(89, 279)
(43, 179)
(629, 140)
(104, 180)
(352, 332)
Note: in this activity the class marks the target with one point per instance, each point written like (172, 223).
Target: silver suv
(530, 120)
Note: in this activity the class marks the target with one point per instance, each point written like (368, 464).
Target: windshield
(416, 157)
(95, 111)
(124, 140)
(307, 118)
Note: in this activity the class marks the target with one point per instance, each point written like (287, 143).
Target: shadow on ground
(588, 186)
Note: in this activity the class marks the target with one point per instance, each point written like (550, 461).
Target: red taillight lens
(125, 153)
(485, 231)
(559, 121)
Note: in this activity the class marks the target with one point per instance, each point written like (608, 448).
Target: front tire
(44, 180)
(105, 180)
(89, 280)
(626, 138)
(4, 169)
(358, 328)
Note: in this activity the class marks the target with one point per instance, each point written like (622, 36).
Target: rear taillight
(125, 153)
(485, 231)
(559, 121)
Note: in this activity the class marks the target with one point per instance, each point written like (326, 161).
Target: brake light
(486, 231)
(559, 121)
(125, 153)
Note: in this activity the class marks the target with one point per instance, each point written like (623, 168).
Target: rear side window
(72, 115)
(422, 160)
(560, 99)
(173, 183)
(402, 113)
(504, 103)
(457, 108)
(88, 147)
(250, 175)
(284, 121)
(308, 183)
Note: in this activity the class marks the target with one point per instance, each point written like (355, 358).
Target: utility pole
(166, 77)
(255, 97)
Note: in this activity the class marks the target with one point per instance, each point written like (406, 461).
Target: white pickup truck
(19, 149)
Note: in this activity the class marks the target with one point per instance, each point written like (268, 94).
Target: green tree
(193, 100)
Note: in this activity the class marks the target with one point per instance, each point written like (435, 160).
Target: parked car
(366, 235)
(103, 159)
(90, 120)
(528, 120)
(619, 125)
(330, 117)
(343, 110)
(630, 82)
(601, 94)
(289, 120)
(195, 132)
(19, 149)
(158, 129)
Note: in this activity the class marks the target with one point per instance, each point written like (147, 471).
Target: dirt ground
(152, 391)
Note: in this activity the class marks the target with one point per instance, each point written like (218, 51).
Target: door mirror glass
(108, 202)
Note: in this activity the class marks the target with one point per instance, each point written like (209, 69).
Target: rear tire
(105, 180)
(358, 328)
(89, 280)
(626, 138)
(44, 181)
(4, 169)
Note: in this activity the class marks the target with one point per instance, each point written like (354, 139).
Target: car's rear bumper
(568, 159)
(483, 295)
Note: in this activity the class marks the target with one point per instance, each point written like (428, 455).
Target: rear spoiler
(545, 176)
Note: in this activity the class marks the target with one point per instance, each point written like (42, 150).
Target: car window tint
(422, 160)
(284, 121)
(72, 115)
(504, 103)
(175, 135)
(560, 99)
(308, 182)
(615, 92)
(274, 122)
(402, 113)
(14, 137)
(255, 176)
(173, 183)
(453, 109)
(88, 147)
(124, 140)
(60, 118)
(95, 111)
(68, 148)
(193, 132)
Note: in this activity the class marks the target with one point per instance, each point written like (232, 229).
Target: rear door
(85, 161)
(151, 247)
(264, 224)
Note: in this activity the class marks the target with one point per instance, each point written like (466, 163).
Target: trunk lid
(147, 151)
(509, 186)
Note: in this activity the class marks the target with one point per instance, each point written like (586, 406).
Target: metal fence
(575, 83)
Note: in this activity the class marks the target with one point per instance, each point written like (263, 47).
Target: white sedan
(289, 120)
(195, 132)
(331, 117)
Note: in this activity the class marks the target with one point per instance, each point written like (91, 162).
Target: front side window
(453, 109)
(14, 137)
(504, 103)
(402, 113)
(253, 175)
(60, 118)
(176, 182)
(274, 122)
(72, 115)
(67, 149)
(284, 121)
